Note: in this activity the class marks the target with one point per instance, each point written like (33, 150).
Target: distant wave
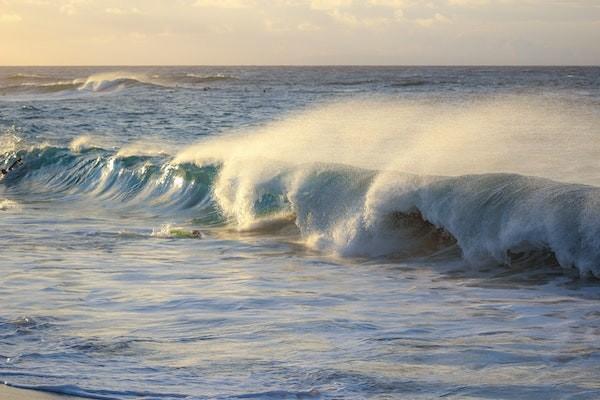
(411, 82)
(26, 77)
(353, 82)
(198, 78)
(27, 86)
(111, 81)
(20, 85)
(488, 218)
(41, 88)
(404, 82)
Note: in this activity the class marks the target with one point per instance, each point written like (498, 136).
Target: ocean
(301, 232)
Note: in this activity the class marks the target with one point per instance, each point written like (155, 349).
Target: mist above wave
(527, 135)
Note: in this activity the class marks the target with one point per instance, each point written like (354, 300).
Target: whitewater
(301, 232)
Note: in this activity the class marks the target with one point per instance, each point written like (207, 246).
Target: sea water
(301, 232)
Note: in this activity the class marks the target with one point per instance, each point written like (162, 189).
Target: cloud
(329, 5)
(389, 3)
(275, 26)
(71, 7)
(301, 31)
(122, 11)
(308, 27)
(231, 4)
(429, 22)
(397, 6)
(37, 2)
(10, 18)
(351, 20)
(357, 14)
(468, 3)
(137, 36)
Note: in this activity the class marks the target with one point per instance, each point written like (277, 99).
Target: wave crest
(491, 218)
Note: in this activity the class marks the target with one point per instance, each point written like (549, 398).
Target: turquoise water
(331, 232)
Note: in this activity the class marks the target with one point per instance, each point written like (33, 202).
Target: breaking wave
(349, 211)
(492, 218)
(337, 197)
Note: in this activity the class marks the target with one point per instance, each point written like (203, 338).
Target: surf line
(16, 163)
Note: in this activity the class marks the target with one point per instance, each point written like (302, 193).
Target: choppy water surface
(354, 232)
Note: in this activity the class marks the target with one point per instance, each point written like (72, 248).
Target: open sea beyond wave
(301, 232)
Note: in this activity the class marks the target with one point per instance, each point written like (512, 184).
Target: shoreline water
(11, 393)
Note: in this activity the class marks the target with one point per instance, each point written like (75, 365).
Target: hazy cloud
(224, 3)
(122, 11)
(10, 18)
(329, 4)
(390, 3)
(468, 3)
(71, 7)
(308, 27)
(429, 22)
(300, 31)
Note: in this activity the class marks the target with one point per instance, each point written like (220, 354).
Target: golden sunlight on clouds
(468, 2)
(10, 18)
(299, 32)
(224, 3)
(429, 22)
(122, 11)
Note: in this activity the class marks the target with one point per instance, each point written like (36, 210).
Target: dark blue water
(301, 232)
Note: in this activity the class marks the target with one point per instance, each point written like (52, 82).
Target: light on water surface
(240, 232)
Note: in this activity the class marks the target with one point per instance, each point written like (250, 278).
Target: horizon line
(297, 65)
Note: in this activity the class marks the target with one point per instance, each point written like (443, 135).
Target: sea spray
(528, 135)
(404, 153)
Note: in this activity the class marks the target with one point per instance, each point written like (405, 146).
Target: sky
(299, 32)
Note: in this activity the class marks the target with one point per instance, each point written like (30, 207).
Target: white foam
(109, 81)
(83, 142)
(146, 148)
